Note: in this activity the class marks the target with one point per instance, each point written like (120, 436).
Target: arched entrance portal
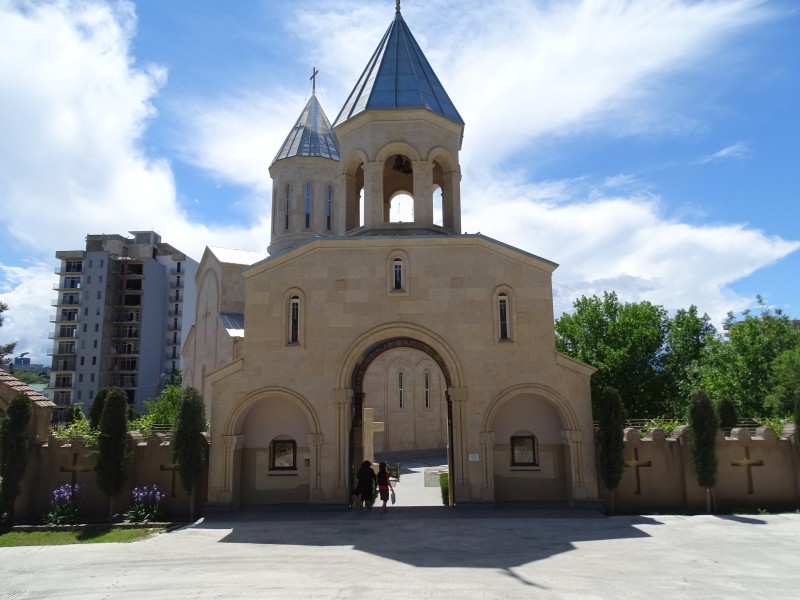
(407, 390)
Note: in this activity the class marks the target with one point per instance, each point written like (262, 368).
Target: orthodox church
(360, 333)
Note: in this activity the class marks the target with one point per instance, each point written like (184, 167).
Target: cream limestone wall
(347, 305)
(421, 422)
(208, 346)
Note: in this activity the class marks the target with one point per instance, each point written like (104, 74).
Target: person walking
(384, 485)
(365, 486)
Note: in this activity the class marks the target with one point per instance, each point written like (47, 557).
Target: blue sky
(651, 148)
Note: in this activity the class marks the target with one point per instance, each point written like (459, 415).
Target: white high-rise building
(120, 312)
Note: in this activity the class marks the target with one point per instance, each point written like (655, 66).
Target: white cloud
(624, 243)
(28, 292)
(736, 152)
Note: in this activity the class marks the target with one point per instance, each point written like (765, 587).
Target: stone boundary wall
(58, 462)
(754, 472)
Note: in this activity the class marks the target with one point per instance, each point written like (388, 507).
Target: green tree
(705, 426)
(162, 411)
(611, 418)
(96, 409)
(5, 349)
(726, 413)
(740, 367)
(112, 445)
(785, 382)
(28, 378)
(687, 334)
(188, 445)
(13, 452)
(624, 342)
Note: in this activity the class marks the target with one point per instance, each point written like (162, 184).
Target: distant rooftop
(398, 76)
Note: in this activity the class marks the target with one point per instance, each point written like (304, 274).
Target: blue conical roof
(398, 76)
(311, 135)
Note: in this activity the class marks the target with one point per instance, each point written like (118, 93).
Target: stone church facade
(444, 338)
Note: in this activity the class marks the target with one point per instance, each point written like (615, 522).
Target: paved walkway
(416, 552)
(412, 489)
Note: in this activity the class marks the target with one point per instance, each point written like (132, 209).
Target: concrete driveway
(413, 552)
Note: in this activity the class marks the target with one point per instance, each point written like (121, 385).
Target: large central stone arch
(378, 348)
(371, 345)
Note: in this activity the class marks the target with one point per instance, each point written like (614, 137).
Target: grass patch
(94, 535)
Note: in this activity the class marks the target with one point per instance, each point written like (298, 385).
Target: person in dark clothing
(365, 486)
(384, 485)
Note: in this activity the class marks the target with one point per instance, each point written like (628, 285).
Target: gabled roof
(311, 135)
(232, 256)
(398, 76)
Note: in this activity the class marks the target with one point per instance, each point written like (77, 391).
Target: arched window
(503, 316)
(400, 391)
(286, 215)
(328, 207)
(397, 275)
(308, 206)
(524, 450)
(427, 383)
(283, 454)
(294, 320)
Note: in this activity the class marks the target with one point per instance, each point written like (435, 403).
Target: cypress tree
(797, 421)
(705, 425)
(611, 436)
(112, 445)
(726, 411)
(96, 409)
(188, 445)
(13, 452)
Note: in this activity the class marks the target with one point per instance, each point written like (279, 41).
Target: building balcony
(127, 350)
(67, 335)
(176, 285)
(131, 316)
(60, 318)
(68, 270)
(175, 313)
(66, 286)
(62, 350)
(61, 301)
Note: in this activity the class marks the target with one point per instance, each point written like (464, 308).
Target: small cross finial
(397, 6)
(313, 79)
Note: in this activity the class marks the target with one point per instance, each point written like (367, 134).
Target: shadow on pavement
(432, 537)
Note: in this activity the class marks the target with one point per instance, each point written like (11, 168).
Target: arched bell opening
(401, 208)
(398, 180)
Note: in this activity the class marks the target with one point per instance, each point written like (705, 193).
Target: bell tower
(304, 180)
(398, 134)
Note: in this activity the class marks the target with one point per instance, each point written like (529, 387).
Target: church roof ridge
(311, 135)
(398, 76)
(235, 256)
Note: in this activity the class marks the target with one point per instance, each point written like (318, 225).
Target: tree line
(656, 361)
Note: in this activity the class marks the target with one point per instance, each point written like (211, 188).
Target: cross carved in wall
(748, 463)
(637, 464)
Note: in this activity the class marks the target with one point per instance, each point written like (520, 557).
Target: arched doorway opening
(414, 377)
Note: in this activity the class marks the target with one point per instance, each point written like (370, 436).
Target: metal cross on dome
(313, 79)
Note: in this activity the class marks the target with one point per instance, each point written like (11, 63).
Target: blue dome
(398, 76)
